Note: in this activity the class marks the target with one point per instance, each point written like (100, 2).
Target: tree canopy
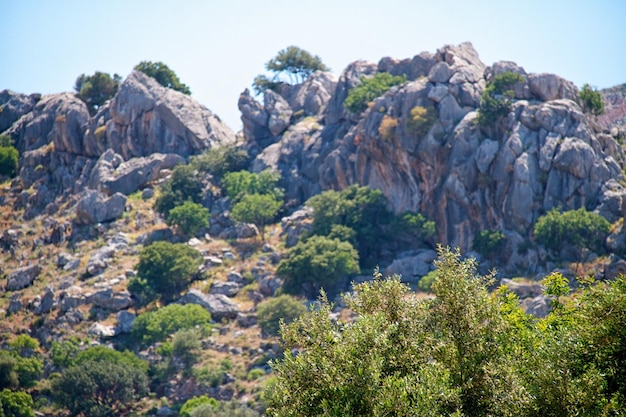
(96, 89)
(466, 352)
(294, 62)
(163, 75)
(369, 89)
(591, 100)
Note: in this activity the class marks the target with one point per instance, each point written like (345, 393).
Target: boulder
(71, 298)
(220, 306)
(147, 118)
(101, 330)
(538, 306)
(413, 266)
(229, 289)
(523, 290)
(111, 300)
(15, 303)
(22, 277)
(125, 320)
(279, 112)
(95, 207)
(14, 106)
(130, 176)
(47, 302)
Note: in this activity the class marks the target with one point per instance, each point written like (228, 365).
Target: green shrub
(284, 308)
(8, 161)
(496, 100)
(105, 354)
(29, 363)
(488, 243)
(259, 209)
(421, 119)
(579, 228)
(6, 140)
(186, 346)
(369, 89)
(414, 225)
(221, 160)
(254, 374)
(16, 404)
(64, 353)
(188, 218)
(163, 75)
(184, 185)
(591, 100)
(96, 89)
(157, 325)
(164, 269)
(317, 263)
(224, 409)
(426, 282)
(362, 209)
(238, 184)
(195, 402)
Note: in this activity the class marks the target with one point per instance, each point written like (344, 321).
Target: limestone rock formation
(546, 153)
(96, 207)
(144, 129)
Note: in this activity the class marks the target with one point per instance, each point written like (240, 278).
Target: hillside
(88, 198)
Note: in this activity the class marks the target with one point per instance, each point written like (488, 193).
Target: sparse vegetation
(283, 308)
(496, 100)
(420, 120)
(369, 89)
(591, 100)
(387, 128)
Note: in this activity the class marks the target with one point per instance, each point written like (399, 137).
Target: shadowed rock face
(146, 127)
(546, 153)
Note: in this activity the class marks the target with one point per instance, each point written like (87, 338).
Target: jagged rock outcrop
(95, 207)
(465, 177)
(22, 277)
(144, 129)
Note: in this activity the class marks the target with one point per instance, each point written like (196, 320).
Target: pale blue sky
(217, 47)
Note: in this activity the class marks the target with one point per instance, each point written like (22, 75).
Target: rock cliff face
(464, 177)
(145, 128)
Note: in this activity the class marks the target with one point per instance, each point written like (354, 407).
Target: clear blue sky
(217, 47)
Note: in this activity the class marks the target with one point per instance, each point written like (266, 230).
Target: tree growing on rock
(294, 62)
(96, 89)
(163, 75)
(591, 100)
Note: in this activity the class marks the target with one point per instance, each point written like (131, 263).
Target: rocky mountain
(81, 209)
(465, 178)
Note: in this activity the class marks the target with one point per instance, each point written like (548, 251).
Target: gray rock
(14, 106)
(246, 320)
(111, 300)
(440, 73)
(125, 320)
(15, 303)
(101, 330)
(218, 305)
(22, 277)
(133, 174)
(412, 267)
(246, 230)
(615, 268)
(485, 154)
(147, 118)
(95, 207)
(269, 284)
(522, 290)
(548, 87)
(279, 112)
(229, 289)
(255, 120)
(294, 225)
(47, 302)
(71, 298)
(538, 306)
(236, 277)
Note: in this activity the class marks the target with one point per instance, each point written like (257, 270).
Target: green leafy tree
(259, 209)
(8, 375)
(272, 312)
(157, 325)
(16, 404)
(579, 228)
(495, 102)
(105, 354)
(184, 185)
(163, 75)
(63, 353)
(221, 160)
(9, 157)
(99, 388)
(489, 243)
(29, 363)
(362, 209)
(369, 89)
(294, 62)
(238, 184)
(318, 262)
(591, 100)
(96, 89)
(186, 347)
(6, 140)
(188, 218)
(196, 402)
(164, 270)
